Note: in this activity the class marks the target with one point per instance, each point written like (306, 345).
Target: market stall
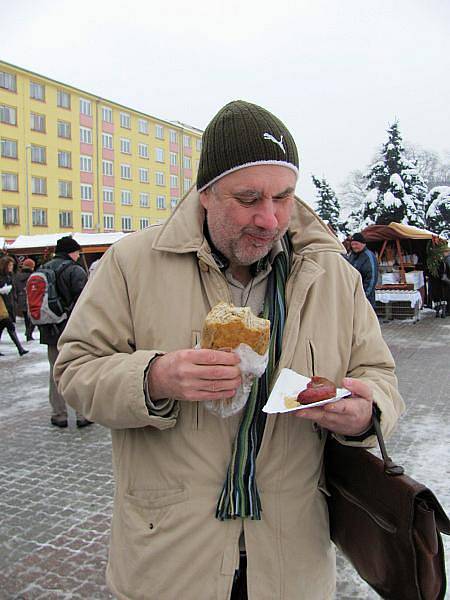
(402, 258)
(40, 247)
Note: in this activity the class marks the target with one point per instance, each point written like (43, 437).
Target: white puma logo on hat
(269, 136)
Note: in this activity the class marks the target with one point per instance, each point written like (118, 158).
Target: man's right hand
(194, 375)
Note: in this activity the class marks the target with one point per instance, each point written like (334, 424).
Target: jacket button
(204, 267)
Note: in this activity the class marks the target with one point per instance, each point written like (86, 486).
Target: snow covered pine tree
(328, 207)
(396, 188)
(437, 218)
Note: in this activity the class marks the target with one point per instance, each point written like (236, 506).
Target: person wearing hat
(70, 280)
(211, 507)
(26, 268)
(364, 261)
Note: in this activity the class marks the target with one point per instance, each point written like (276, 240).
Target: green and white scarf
(239, 496)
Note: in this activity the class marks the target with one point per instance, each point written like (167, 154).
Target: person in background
(70, 283)
(8, 293)
(207, 507)
(364, 261)
(21, 278)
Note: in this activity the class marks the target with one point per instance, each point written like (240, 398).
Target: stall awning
(395, 231)
(90, 242)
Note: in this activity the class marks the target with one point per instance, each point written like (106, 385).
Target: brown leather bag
(387, 524)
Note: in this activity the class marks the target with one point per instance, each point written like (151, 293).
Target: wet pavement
(56, 484)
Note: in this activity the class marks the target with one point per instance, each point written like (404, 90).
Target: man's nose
(266, 216)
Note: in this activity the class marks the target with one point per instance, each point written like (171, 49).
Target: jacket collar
(183, 231)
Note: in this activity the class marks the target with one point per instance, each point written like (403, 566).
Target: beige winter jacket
(150, 294)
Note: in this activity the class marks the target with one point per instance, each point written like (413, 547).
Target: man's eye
(245, 200)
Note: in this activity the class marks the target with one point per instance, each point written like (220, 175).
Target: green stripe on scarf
(239, 496)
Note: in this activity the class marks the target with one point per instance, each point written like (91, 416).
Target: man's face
(75, 255)
(249, 210)
(357, 246)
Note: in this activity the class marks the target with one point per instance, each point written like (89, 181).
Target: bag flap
(442, 520)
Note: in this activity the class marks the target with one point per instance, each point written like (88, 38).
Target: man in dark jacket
(366, 263)
(70, 281)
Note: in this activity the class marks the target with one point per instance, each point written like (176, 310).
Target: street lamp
(28, 147)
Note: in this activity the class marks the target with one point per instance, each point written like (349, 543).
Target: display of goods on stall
(402, 252)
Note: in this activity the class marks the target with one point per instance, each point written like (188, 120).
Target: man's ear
(205, 198)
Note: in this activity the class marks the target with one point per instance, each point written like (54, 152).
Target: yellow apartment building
(72, 161)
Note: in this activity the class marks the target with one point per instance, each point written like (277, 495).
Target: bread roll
(227, 326)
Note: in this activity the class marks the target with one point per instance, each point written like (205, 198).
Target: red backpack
(45, 305)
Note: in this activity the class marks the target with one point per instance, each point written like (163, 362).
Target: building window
(125, 120)
(173, 159)
(143, 126)
(39, 217)
(10, 182)
(107, 114)
(143, 175)
(65, 189)
(144, 200)
(187, 164)
(187, 184)
(174, 181)
(64, 130)
(39, 185)
(10, 215)
(159, 132)
(173, 136)
(108, 195)
(125, 146)
(160, 202)
(64, 159)
(144, 222)
(37, 122)
(159, 177)
(85, 107)
(63, 99)
(86, 164)
(159, 154)
(126, 223)
(38, 154)
(143, 150)
(37, 91)
(8, 114)
(125, 171)
(198, 145)
(108, 167)
(8, 81)
(108, 221)
(107, 141)
(87, 220)
(186, 141)
(86, 191)
(85, 135)
(173, 203)
(8, 148)
(125, 197)
(65, 219)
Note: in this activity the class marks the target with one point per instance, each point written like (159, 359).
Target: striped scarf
(239, 496)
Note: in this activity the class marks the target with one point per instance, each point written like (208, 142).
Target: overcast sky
(336, 72)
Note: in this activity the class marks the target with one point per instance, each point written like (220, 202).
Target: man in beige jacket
(209, 508)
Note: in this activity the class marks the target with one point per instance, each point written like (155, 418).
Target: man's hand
(194, 375)
(351, 416)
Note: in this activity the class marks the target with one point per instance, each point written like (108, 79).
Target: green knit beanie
(241, 135)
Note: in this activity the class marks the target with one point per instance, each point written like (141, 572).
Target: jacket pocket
(156, 498)
(311, 358)
(145, 512)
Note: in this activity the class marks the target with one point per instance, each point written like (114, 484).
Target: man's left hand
(350, 416)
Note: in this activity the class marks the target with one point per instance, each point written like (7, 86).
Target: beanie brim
(278, 163)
